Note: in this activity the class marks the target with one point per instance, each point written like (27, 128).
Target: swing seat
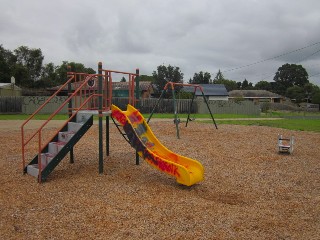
(285, 145)
(176, 121)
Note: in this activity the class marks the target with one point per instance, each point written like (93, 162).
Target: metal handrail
(24, 143)
(113, 71)
(39, 131)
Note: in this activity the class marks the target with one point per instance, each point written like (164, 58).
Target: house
(210, 91)
(257, 96)
(121, 89)
(9, 90)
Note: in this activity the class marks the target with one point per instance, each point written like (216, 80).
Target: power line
(314, 75)
(308, 56)
(268, 59)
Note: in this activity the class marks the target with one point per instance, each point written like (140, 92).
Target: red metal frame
(131, 79)
(172, 84)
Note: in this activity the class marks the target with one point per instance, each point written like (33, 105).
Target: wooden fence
(164, 106)
(10, 104)
(28, 104)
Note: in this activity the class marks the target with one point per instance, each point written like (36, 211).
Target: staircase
(62, 142)
(87, 95)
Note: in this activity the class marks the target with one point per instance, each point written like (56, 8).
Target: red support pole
(110, 89)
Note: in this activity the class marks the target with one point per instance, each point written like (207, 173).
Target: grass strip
(291, 124)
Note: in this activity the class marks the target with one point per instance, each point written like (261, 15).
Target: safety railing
(72, 111)
(41, 147)
(131, 83)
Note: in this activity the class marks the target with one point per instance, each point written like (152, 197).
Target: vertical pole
(175, 111)
(137, 80)
(154, 108)
(129, 90)
(189, 111)
(108, 96)
(70, 110)
(107, 86)
(205, 99)
(137, 104)
(107, 135)
(100, 118)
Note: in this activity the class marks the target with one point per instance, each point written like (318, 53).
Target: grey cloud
(205, 35)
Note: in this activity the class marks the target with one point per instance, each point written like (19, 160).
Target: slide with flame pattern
(187, 171)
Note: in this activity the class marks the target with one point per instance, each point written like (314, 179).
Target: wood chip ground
(250, 191)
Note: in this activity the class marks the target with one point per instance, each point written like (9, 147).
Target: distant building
(9, 90)
(121, 89)
(257, 96)
(211, 91)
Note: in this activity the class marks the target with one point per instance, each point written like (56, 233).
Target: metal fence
(11, 104)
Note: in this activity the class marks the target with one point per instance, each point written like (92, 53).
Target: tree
(312, 92)
(123, 79)
(245, 84)
(201, 78)
(49, 76)
(31, 60)
(75, 67)
(296, 93)
(22, 76)
(219, 76)
(7, 64)
(146, 78)
(263, 85)
(229, 84)
(316, 98)
(165, 74)
(289, 75)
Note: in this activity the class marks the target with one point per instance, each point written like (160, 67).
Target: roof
(125, 85)
(209, 90)
(9, 85)
(4, 84)
(253, 94)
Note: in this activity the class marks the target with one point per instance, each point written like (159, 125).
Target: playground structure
(176, 121)
(285, 145)
(89, 95)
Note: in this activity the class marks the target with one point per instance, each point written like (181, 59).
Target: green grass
(291, 124)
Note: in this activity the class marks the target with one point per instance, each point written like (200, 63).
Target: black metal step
(66, 139)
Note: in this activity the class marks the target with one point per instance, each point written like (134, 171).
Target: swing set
(171, 85)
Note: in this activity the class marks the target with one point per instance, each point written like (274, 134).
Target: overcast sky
(243, 38)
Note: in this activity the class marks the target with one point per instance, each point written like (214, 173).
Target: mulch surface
(250, 191)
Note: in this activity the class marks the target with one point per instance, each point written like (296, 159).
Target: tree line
(26, 65)
(290, 80)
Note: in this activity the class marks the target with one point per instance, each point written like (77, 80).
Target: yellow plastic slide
(186, 170)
